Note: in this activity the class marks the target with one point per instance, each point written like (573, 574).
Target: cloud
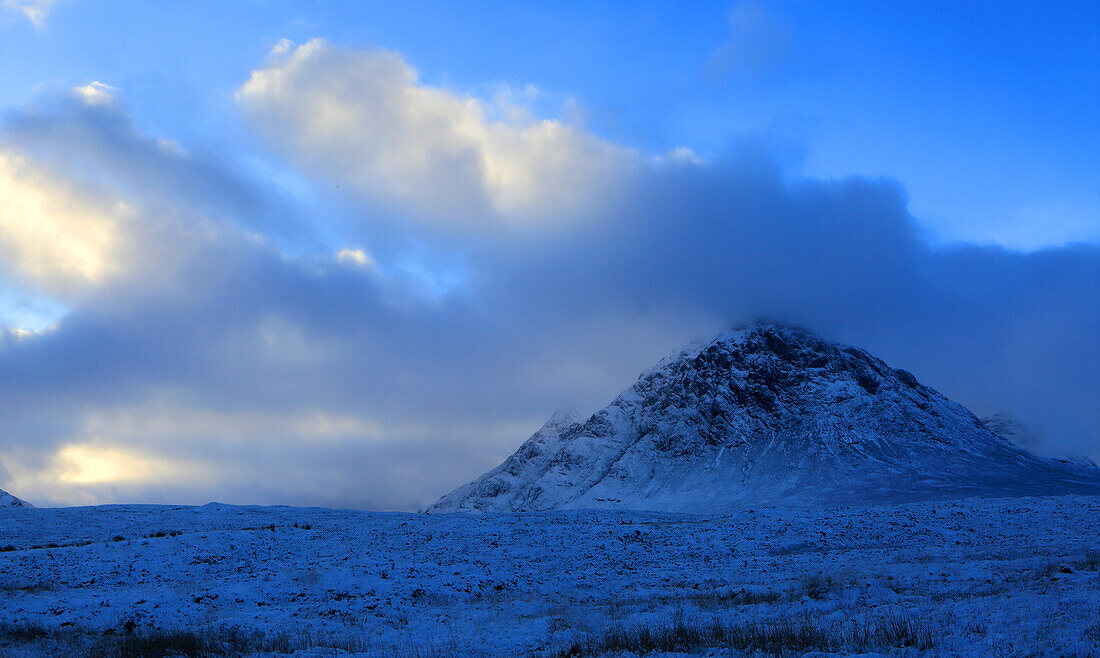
(383, 366)
(354, 256)
(35, 10)
(97, 93)
(759, 42)
(92, 202)
(56, 235)
(363, 120)
(87, 136)
(91, 464)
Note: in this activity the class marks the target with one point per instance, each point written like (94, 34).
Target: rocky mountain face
(765, 415)
(8, 500)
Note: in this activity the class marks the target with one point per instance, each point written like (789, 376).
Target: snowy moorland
(999, 576)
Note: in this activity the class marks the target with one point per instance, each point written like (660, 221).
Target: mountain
(8, 500)
(767, 414)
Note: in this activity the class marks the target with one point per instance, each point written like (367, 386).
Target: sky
(352, 254)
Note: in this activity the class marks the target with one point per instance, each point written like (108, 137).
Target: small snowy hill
(8, 500)
(769, 414)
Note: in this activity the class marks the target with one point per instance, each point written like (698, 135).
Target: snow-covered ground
(1010, 576)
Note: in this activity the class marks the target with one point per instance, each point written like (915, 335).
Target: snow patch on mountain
(768, 414)
(8, 500)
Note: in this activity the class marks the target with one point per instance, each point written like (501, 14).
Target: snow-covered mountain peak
(732, 337)
(768, 413)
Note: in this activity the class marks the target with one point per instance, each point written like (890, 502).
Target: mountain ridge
(764, 414)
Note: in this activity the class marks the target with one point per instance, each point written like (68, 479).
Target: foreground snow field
(1010, 576)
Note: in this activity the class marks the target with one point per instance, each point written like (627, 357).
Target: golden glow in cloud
(363, 119)
(93, 471)
(54, 235)
(92, 464)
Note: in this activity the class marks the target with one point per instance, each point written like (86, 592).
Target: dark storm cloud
(1000, 331)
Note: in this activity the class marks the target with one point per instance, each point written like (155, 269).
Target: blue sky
(235, 218)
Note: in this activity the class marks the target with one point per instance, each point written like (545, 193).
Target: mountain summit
(768, 414)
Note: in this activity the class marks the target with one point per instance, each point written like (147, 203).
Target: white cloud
(363, 119)
(34, 10)
(96, 93)
(354, 257)
(90, 201)
(20, 334)
(54, 234)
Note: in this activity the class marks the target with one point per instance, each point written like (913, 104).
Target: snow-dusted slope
(8, 500)
(765, 415)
